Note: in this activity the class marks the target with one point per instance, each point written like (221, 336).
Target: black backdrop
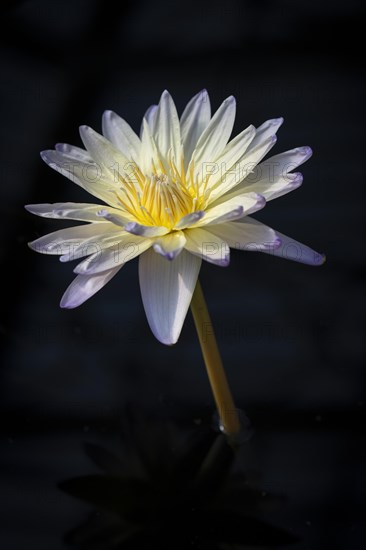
(291, 336)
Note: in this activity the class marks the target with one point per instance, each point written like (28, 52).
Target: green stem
(220, 388)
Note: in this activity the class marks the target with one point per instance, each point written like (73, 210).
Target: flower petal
(167, 129)
(189, 219)
(280, 165)
(170, 245)
(208, 246)
(111, 161)
(272, 178)
(216, 135)
(61, 241)
(166, 290)
(70, 211)
(245, 165)
(120, 133)
(194, 120)
(146, 230)
(248, 234)
(233, 208)
(278, 187)
(266, 130)
(150, 117)
(87, 175)
(115, 217)
(73, 152)
(298, 252)
(149, 153)
(84, 287)
(124, 249)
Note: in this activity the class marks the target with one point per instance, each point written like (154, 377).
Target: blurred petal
(166, 290)
(84, 287)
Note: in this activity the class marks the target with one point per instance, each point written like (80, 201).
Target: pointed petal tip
(306, 151)
(297, 181)
(168, 255)
(231, 99)
(277, 121)
(320, 259)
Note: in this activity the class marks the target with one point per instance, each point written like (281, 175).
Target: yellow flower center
(163, 198)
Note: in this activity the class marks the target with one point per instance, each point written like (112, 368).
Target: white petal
(280, 165)
(84, 287)
(216, 135)
(70, 211)
(245, 165)
(272, 188)
(73, 152)
(146, 230)
(111, 161)
(125, 249)
(120, 133)
(170, 245)
(232, 208)
(248, 234)
(208, 246)
(232, 153)
(298, 252)
(266, 130)
(94, 246)
(189, 219)
(194, 120)
(167, 129)
(149, 152)
(150, 116)
(61, 241)
(88, 175)
(166, 290)
(114, 216)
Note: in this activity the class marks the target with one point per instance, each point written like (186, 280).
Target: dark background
(292, 337)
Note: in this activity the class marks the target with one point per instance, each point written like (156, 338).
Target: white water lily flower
(179, 193)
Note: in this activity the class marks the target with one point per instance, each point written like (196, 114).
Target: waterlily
(179, 193)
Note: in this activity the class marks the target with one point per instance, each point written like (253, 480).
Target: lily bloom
(179, 193)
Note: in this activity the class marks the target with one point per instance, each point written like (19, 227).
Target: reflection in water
(168, 490)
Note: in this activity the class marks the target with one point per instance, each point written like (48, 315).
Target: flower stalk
(229, 419)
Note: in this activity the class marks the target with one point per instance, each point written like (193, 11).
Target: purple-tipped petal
(145, 230)
(170, 245)
(189, 219)
(84, 287)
